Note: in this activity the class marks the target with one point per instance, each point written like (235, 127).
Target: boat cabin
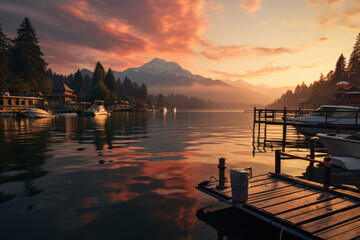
(19, 103)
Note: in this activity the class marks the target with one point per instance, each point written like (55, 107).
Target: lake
(129, 175)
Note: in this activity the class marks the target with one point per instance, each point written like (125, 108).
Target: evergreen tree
(5, 73)
(78, 84)
(110, 81)
(27, 63)
(143, 92)
(340, 72)
(128, 90)
(98, 75)
(100, 91)
(354, 63)
(135, 90)
(120, 89)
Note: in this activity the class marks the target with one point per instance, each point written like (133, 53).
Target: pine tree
(143, 92)
(78, 84)
(98, 75)
(340, 72)
(5, 73)
(120, 89)
(354, 63)
(27, 61)
(128, 87)
(110, 81)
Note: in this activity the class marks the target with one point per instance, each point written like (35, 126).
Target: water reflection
(90, 177)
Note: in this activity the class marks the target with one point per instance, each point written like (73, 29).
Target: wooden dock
(299, 207)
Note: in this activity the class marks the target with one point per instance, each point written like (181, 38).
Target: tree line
(321, 91)
(23, 69)
(102, 85)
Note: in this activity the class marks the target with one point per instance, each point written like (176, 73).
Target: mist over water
(124, 176)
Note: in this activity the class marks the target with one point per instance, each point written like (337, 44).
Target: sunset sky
(272, 42)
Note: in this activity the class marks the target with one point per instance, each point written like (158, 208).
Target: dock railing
(279, 155)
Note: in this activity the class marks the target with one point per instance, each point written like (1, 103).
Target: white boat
(331, 114)
(38, 113)
(343, 148)
(327, 119)
(163, 109)
(96, 109)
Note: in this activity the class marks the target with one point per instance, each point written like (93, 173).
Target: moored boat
(38, 113)
(343, 148)
(96, 109)
(328, 119)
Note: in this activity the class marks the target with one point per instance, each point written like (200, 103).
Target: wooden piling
(277, 161)
(222, 168)
(284, 130)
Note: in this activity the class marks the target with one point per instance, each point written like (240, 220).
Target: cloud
(266, 70)
(215, 52)
(215, 6)
(250, 5)
(346, 18)
(118, 28)
(329, 3)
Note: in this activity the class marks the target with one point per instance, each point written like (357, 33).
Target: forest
(321, 91)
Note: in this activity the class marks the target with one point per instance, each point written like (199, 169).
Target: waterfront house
(10, 103)
(61, 95)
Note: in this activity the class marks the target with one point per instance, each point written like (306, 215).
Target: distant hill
(271, 92)
(165, 77)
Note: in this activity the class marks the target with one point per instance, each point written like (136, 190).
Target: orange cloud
(344, 19)
(329, 3)
(253, 73)
(212, 51)
(250, 5)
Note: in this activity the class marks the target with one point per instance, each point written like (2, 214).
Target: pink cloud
(250, 5)
(329, 3)
(253, 73)
(347, 18)
(212, 51)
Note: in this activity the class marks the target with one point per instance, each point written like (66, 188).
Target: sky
(271, 42)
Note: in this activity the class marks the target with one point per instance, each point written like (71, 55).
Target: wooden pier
(299, 207)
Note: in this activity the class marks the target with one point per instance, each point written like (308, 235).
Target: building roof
(61, 86)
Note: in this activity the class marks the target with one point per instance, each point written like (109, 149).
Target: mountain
(272, 92)
(165, 77)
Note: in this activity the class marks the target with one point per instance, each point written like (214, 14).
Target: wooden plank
(322, 209)
(269, 187)
(273, 193)
(288, 212)
(283, 199)
(331, 221)
(348, 230)
(264, 181)
(286, 204)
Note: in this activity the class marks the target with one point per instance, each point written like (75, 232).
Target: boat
(38, 113)
(163, 109)
(328, 119)
(96, 109)
(343, 148)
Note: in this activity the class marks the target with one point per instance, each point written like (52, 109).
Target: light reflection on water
(108, 176)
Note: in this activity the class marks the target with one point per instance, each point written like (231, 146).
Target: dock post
(265, 127)
(327, 173)
(284, 130)
(312, 149)
(277, 162)
(221, 167)
(259, 125)
(254, 123)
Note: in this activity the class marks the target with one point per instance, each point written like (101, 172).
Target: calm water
(128, 175)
